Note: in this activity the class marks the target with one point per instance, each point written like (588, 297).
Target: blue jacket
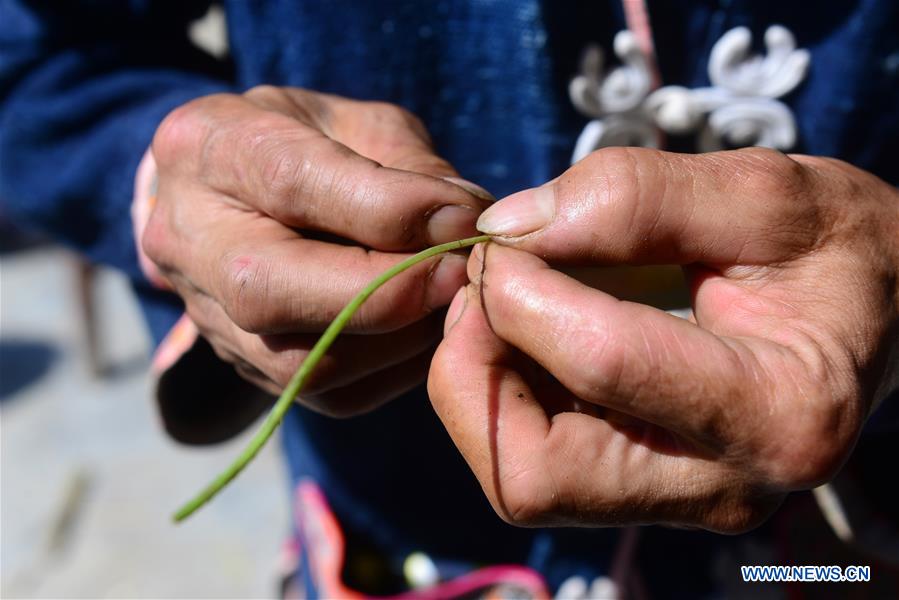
(83, 86)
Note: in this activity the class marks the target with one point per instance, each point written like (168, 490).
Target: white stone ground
(89, 479)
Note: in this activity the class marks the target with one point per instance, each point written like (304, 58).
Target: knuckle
(391, 112)
(222, 352)
(811, 449)
(828, 163)
(740, 515)
(793, 216)
(284, 173)
(294, 181)
(525, 493)
(244, 283)
(729, 502)
(831, 179)
(770, 173)
(621, 164)
(265, 93)
(628, 189)
(396, 115)
(520, 506)
(155, 239)
(603, 366)
(299, 104)
(182, 132)
(806, 464)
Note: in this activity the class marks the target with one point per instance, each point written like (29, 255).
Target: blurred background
(88, 478)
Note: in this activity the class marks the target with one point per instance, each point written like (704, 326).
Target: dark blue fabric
(84, 84)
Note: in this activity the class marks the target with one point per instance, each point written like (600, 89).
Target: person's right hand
(275, 207)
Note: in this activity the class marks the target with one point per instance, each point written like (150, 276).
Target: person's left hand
(575, 408)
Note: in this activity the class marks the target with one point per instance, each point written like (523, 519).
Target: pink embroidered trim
(177, 341)
(141, 206)
(323, 539)
(324, 542)
(480, 580)
(636, 14)
(183, 335)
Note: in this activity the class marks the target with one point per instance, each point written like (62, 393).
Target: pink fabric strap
(183, 335)
(636, 13)
(322, 537)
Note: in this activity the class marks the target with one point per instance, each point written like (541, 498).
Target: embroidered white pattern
(741, 108)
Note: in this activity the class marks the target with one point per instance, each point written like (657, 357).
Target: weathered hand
(573, 407)
(277, 206)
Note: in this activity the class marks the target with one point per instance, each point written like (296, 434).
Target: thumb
(639, 206)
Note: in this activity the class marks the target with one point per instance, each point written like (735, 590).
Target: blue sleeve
(83, 86)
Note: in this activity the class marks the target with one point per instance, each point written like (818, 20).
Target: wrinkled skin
(275, 207)
(573, 407)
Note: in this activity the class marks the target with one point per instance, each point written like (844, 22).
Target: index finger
(302, 178)
(541, 466)
(628, 357)
(640, 206)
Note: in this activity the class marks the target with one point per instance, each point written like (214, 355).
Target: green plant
(295, 385)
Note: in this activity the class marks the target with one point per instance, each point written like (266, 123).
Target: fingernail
(451, 223)
(472, 188)
(445, 280)
(519, 214)
(456, 308)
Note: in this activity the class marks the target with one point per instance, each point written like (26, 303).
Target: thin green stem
(295, 385)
